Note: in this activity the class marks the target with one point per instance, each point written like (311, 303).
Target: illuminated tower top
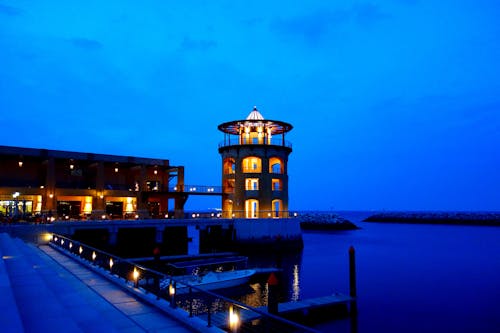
(255, 130)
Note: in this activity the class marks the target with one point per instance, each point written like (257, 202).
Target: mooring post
(352, 279)
(272, 297)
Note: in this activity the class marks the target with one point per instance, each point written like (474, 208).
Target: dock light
(52, 219)
(193, 215)
(295, 214)
(212, 214)
(103, 216)
(67, 217)
(171, 289)
(80, 250)
(20, 164)
(135, 275)
(268, 214)
(94, 255)
(136, 216)
(234, 319)
(166, 216)
(111, 263)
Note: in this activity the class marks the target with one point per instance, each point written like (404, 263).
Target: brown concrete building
(73, 185)
(254, 167)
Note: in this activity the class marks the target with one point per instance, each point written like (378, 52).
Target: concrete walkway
(43, 290)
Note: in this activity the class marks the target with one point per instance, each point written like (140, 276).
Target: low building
(45, 184)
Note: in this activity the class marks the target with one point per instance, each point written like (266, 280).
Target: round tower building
(254, 167)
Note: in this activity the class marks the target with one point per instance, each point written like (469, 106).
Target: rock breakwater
(324, 221)
(463, 218)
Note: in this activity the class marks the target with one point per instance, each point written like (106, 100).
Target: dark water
(411, 278)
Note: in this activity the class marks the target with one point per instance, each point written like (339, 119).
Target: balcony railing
(238, 142)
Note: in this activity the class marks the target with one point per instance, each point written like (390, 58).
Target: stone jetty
(324, 221)
(459, 218)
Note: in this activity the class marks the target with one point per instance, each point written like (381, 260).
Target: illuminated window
(275, 165)
(252, 164)
(251, 208)
(229, 186)
(277, 184)
(252, 184)
(277, 205)
(229, 166)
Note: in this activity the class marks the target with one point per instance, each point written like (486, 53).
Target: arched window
(251, 208)
(227, 209)
(276, 165)
(252, 164)
(229, 166)
(277, 205)
(277, 184)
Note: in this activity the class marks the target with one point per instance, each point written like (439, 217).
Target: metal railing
(215, 309)
(237, 142)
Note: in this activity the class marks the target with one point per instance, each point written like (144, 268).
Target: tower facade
(254, 167)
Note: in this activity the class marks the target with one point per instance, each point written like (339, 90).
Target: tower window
(252, 184)
(252, 164)
(276, 165)
(277, 184)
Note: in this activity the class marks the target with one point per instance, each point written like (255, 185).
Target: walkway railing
(197, 302)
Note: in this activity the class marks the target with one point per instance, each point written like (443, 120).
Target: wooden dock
(302, 307)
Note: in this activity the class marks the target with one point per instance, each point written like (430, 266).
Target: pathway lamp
(111, 263)
(94, 255)
(135, 275)
(70, 245)
(171, 293)
(80, 250)
(234, 319)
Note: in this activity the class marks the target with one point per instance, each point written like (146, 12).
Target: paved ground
(42, 290)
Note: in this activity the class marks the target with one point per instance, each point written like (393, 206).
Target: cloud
(199, 45)
(85, 43)
(9, 10)
(312, 27)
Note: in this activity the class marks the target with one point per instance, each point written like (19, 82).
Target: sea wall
(268, 232)
(459, 218)
(324, 221)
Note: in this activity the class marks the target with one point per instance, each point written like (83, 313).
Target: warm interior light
(20, 164)
(87, 207)
(155, 172)
(71, 166)
(103, 216)
(51, 195)
(135, 274)
(234, 319)
(116, 169)
(171, 290)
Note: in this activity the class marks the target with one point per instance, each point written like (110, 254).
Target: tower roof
(255, 115)
(255, 118)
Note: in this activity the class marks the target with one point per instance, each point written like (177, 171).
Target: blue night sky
(395, 103)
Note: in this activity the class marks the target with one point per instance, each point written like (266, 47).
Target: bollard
(352, 279)
(272, 297)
